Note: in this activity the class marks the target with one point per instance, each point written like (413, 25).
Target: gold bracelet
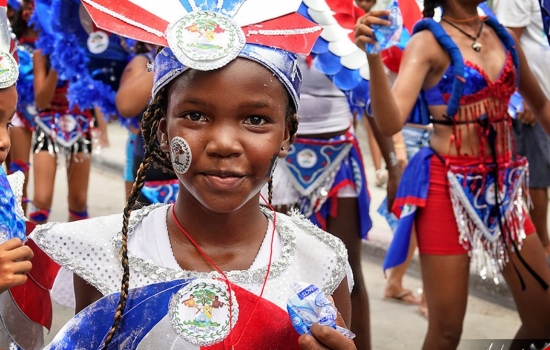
(399, 146)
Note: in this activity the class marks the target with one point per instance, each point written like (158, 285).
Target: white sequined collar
(159, 273)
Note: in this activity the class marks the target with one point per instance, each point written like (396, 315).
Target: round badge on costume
(306, 158)
(491, 194)
(200, 313)
(205, 40)
(180, 154)
(9, 70)
(67, 123)
(98, 42)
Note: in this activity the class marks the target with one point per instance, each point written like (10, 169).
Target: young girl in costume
(220, 118)
(14, 256)
(25, 307)
(23, 121)
(466, 68)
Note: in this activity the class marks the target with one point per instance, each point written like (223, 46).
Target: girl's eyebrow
(247, 104)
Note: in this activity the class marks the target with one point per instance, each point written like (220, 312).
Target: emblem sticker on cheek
(180, 154)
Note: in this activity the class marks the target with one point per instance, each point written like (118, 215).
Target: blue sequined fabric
(11, 224)
(476, 82)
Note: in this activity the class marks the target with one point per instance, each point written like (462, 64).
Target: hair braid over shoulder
(149, 123)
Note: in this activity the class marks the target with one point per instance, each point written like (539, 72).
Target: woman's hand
(14, 263)
(527, 117)
(364, 33)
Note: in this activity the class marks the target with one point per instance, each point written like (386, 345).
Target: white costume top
(90, 249)
(323, 107)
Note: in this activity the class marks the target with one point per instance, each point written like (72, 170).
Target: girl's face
(365, 5)
(233, 119)
(8, 102)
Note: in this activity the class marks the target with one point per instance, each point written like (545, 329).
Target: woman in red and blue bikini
(465, 193)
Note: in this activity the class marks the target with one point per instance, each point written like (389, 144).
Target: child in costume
(465, 192)
(23, 121)
(14, 256)
(223, 111)
(25, 306)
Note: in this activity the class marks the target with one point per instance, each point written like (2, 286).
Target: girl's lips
(223, 182)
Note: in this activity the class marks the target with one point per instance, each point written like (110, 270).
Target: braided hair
(430, 6)
(155, 156)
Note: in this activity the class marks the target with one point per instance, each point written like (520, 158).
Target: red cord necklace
(180, 227)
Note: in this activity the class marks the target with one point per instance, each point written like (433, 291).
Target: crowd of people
(244, 175)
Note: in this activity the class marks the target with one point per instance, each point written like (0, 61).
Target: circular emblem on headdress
(98, 42)
(200, 312)
(306, 158)
(205, 40)
(9, 70)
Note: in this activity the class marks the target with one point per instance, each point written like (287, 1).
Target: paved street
(394, 325)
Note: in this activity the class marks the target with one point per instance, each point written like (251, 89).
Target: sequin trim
(74, 264)
(339, 272)
(158, 273)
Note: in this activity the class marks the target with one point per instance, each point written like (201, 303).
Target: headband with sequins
(9, 70)
(208, 34)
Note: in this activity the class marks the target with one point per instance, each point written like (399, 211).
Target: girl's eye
(256, 120)
(194, 116)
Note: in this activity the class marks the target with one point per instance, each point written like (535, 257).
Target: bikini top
(464, 82)
(477, 87)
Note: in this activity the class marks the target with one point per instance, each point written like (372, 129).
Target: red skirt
(436, 229)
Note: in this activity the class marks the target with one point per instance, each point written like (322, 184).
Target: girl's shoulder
(89, 248)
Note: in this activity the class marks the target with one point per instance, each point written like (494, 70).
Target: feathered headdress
(208, 34)
(9, 71)
(91, 60)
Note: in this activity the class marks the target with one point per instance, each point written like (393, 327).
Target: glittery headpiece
(208, 34)
(9, 70)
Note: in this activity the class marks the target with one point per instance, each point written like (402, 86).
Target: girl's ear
(283, 151)
(162, 136)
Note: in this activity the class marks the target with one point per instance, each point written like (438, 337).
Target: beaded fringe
(41, 138)
(489, 257)
(313, 203)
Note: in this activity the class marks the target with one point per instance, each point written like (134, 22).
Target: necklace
(475, 45)
(226, 280)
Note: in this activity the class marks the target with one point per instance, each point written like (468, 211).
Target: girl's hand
(363, 29)
(14, 263)
(326, 338)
